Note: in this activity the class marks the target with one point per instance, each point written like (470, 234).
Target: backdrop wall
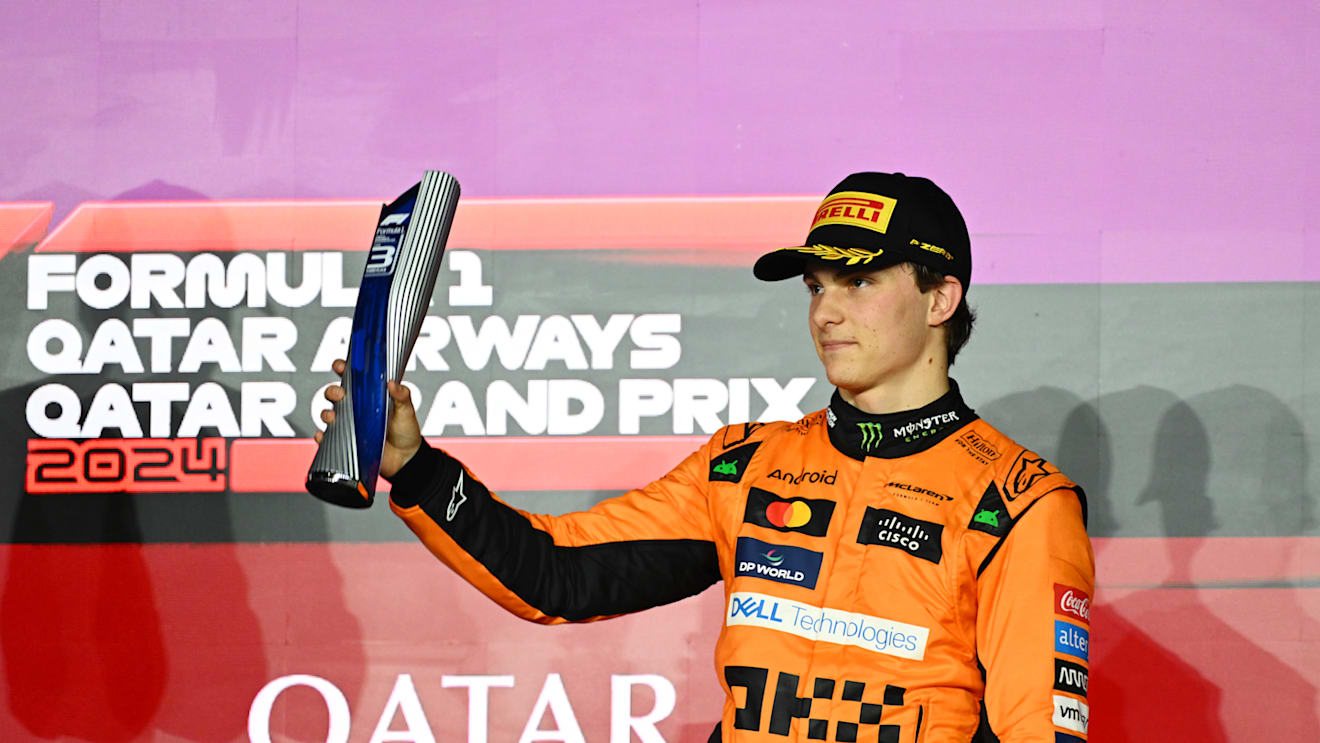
(188, 192)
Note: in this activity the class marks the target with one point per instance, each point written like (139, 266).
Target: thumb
(401, 397)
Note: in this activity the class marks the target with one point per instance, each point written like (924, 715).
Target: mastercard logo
(788, 514)
(810, 516)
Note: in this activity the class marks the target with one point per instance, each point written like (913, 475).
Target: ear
(944, 300)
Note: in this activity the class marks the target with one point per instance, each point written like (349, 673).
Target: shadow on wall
(1165, 665)
(123, 615)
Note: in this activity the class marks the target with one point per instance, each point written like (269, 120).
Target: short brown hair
(958, 328)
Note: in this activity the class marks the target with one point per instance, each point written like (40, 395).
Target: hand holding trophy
(396, 290)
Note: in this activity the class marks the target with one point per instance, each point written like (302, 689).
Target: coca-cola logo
(1072, 602)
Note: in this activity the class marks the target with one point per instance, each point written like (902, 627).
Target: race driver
(895, 569)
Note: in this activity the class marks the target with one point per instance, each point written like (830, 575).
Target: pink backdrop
(1139, 179)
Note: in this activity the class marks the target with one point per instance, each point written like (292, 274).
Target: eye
(814, 289)
(857, 282)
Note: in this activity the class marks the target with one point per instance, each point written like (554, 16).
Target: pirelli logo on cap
(856, 209)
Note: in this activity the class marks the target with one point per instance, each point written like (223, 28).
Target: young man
(894, 568)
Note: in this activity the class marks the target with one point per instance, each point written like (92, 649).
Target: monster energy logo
(871, 435)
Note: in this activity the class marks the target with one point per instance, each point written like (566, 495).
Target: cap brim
(777, 265)
(785, 263)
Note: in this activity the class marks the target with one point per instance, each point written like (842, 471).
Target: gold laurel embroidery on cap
(831, 253)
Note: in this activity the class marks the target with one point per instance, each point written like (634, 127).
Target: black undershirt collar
(861, 435)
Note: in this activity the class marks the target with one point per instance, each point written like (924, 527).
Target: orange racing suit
(906, 578)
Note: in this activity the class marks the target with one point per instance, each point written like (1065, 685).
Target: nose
(825, 308)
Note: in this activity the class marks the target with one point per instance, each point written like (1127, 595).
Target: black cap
(874, 220)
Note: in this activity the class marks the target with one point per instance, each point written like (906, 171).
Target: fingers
(334, 393)
(400, 393)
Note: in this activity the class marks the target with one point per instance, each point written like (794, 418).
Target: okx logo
(872, 435)
(856, 707)
(810, 516)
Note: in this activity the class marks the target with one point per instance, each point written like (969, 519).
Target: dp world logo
(871, 435)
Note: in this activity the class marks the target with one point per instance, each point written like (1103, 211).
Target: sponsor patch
(908, 491)
(1070, 677)
(730, 466)
(886, 528)
(456, 499)
(1071, 639)
(777, 562)
(1072, 602)
(990, 515)
(977, 446)
(870, 435)
(1071, 714)
(856, 209)
(810, 516)
(785, 705)
(928, 426)
(824, 477)
(822, 624)
(1026, 472)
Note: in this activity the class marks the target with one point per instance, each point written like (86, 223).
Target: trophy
(392, 302)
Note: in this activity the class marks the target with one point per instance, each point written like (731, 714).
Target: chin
(841, 379)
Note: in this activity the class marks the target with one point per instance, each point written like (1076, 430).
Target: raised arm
(645, 548)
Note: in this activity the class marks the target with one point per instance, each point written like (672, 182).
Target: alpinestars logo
(872, 435)
(1027, 470)
(456, 498)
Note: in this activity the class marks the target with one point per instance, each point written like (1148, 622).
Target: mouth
(834, 345)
